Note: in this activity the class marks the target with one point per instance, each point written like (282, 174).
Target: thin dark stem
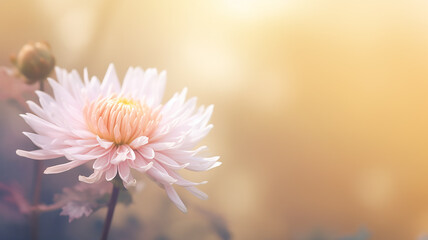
(111, 207)
(37, 186)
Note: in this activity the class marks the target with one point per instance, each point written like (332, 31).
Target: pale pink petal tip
(63, 167)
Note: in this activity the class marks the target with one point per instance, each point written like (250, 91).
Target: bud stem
(42, 85)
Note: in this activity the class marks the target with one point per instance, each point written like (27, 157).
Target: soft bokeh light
(321, 107)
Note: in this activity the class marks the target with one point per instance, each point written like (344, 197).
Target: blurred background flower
(321, 109)
(13, 87)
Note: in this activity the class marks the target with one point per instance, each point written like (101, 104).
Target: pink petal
(104, 143)
(120, 154)
(40, 140)
(183, 182)
(141, 164)
(159, 176)
(111, 172)
(169, 162)
(161, 146)
(42, 126)
(198, 193)
(138, 142)
(94, 177)
(102, 162)
(172, 194)
(38, 154)
(204, 167)
(63, 167)
(147, 152)
(110, 83)
(124, 171)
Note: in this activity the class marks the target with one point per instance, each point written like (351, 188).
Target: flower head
(119, 128)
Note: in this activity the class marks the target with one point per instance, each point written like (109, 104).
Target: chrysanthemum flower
(120, 128)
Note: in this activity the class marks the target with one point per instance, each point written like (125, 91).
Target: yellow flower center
(120, 120)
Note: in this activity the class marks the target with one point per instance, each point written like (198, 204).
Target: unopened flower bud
(35, 61)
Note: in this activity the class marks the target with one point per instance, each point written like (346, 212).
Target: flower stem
(38, 171)
(37, 186)
(111, 206)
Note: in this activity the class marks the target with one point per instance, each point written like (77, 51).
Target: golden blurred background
(321, 107)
